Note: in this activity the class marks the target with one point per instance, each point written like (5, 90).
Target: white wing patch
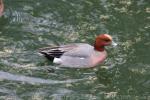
(82, 58)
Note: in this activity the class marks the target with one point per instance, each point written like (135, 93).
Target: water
(28, 25)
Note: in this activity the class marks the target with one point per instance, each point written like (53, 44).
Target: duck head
(101, 41)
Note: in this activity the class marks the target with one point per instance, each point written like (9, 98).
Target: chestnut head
(101, 41)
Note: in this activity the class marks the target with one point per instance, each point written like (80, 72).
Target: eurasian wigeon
(79, 55)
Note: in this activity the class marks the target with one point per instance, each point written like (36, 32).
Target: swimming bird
(1, 7)
(79, 55)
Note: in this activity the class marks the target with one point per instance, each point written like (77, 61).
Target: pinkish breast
(98, 57)
(1, 7)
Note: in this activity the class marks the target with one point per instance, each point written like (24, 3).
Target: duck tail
(51, 58)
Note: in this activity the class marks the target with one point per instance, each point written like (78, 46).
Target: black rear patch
(51, 53)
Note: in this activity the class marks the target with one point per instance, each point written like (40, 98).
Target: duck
(79, 55)
(1, 7)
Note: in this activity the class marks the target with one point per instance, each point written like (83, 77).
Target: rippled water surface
(30, 24)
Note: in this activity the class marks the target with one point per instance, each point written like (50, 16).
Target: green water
(30, 24)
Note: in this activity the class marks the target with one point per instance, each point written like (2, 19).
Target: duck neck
(99, 47)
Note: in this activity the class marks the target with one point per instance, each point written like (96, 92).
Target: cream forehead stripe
(108, 36)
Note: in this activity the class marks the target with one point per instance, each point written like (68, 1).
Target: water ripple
(33, 80)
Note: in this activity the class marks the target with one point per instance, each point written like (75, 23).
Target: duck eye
(107, 40)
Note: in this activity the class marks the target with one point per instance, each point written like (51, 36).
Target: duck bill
(114, 44)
